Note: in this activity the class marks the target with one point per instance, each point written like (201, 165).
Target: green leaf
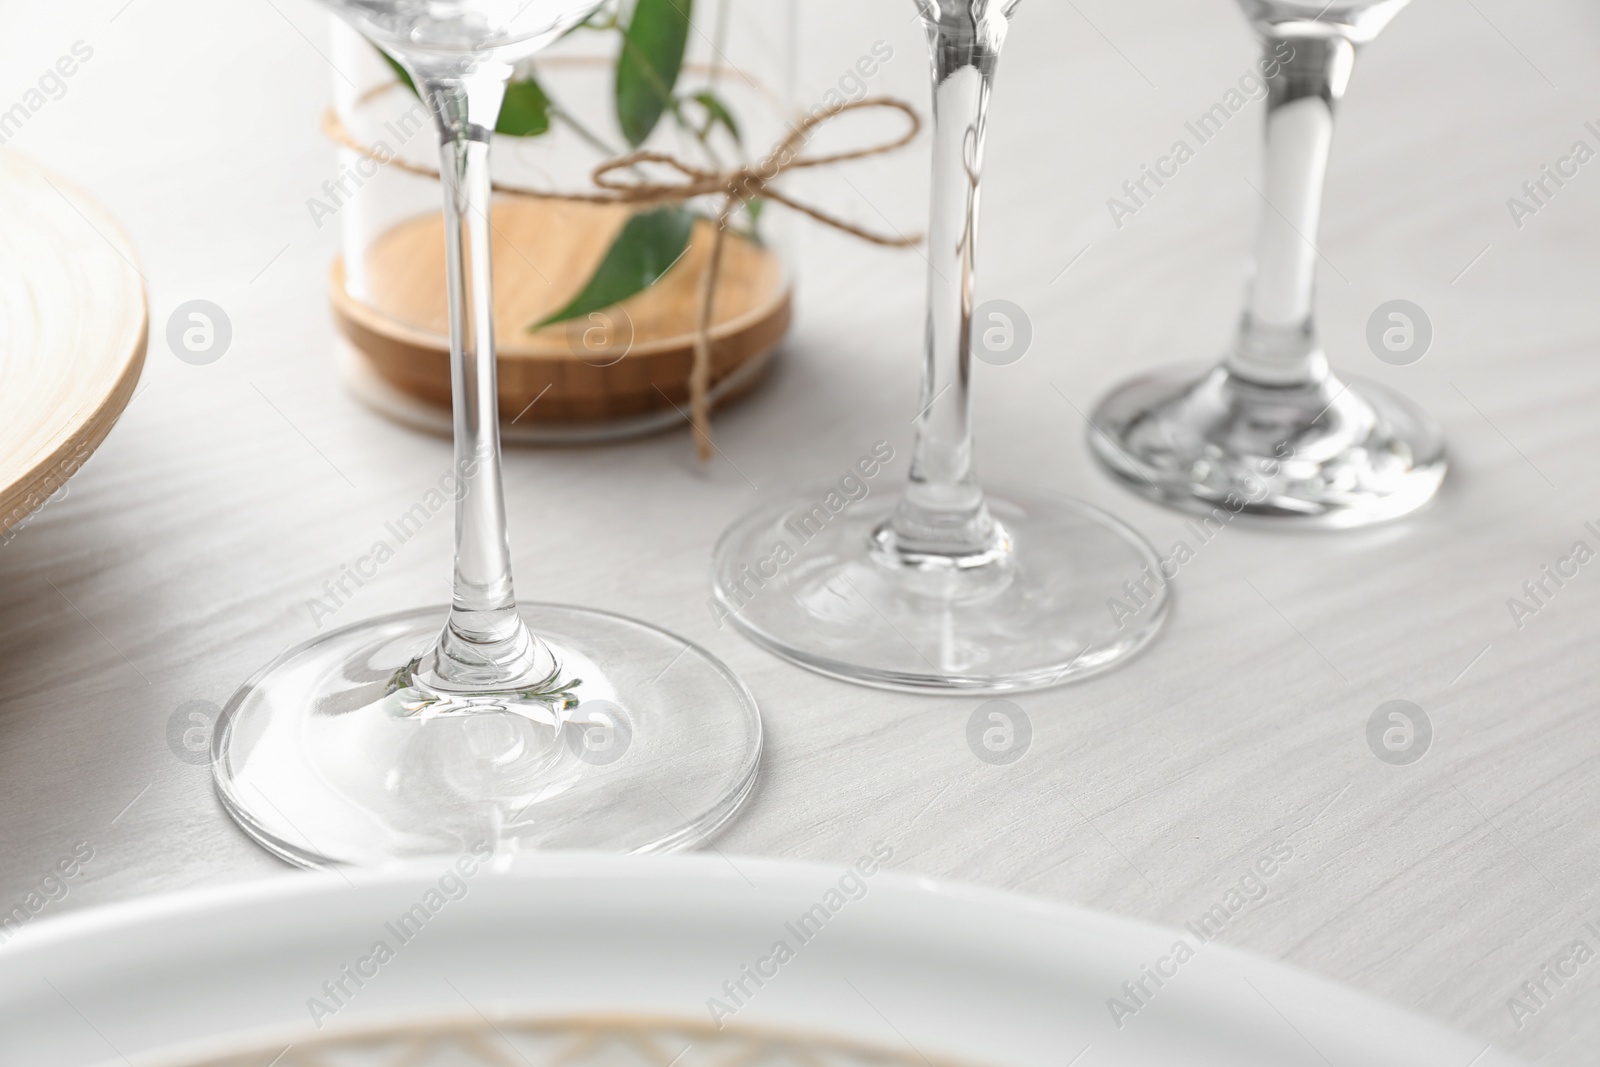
(399, 72)
(646, 249)
(648, 67)
(717, 114)
(526, 112)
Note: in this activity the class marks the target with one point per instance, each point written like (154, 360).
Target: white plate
(927, 973)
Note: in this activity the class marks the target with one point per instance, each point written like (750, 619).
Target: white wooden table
(185, 553)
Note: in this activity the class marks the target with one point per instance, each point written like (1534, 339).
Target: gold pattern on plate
(603, 1041)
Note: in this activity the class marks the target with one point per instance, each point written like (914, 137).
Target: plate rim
(306, 885)
(86, 428)
(772, 873)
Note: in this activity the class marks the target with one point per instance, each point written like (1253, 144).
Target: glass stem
(943, 514)
(485, 646)
(1277, 343)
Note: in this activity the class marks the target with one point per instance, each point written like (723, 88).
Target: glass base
(1328, 455)
(332, 755)
(805, 581)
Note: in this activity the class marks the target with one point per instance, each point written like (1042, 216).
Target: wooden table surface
(185, 553)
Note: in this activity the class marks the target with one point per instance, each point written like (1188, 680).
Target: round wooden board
(544, 251)
(73, 331)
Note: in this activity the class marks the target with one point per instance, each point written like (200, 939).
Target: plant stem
(594, 140)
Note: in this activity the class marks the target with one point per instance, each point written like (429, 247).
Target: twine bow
(737, 186)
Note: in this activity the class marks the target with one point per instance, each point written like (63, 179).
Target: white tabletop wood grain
(185, 553)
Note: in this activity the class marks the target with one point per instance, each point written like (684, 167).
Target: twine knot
(738, 187)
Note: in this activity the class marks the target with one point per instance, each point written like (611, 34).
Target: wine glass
(1272, 432)
(509, 728)
(943, 587)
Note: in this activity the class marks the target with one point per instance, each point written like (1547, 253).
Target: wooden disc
(73, 326)
(544, 252)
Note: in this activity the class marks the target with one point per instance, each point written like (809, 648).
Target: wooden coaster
(544, 252)
(73, 327)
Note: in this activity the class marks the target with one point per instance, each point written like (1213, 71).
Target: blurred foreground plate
(72, 332)
(572, 960)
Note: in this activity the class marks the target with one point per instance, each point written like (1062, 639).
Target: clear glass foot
(1327, 454)
(340, 753)
(1066, 592)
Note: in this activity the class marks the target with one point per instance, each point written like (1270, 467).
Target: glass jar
(598, 302)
